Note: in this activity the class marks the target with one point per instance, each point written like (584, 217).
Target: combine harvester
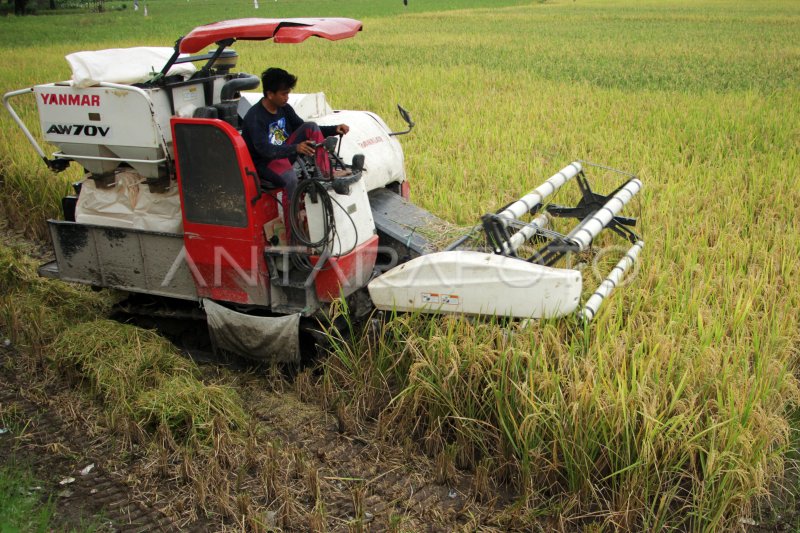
(171, 206)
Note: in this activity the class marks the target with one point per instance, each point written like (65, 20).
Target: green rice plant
(365, 369)
(550, 411)
(141, 378)
(16, 269)
(117, 362)
(31, 193)
(18, 273)
(447, 392)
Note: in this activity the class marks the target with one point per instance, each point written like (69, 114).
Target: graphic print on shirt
(277, 132)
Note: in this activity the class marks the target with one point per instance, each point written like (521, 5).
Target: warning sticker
(430, 298)
(435, 298)
(450, 299)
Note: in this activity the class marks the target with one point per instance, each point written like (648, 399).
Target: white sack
(129, 204)
(123, 65)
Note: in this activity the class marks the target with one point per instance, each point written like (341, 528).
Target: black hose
(328, 223)
(234, 85)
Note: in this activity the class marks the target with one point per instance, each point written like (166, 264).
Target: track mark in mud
(362, 476)
(57, 452)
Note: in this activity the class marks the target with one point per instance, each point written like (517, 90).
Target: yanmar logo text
(370, 142)
(78, 129)
(89, 100)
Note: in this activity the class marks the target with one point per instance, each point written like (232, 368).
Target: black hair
(277, 79)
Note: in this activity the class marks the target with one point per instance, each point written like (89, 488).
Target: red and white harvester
(171, 206)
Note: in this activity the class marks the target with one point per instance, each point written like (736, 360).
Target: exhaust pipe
(242, 83)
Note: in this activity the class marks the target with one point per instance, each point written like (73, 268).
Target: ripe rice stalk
(252, 446)
(317, 520)
(557, 410)
(360, 366)
(299, 464)
(312, 483)
(255, 522)
(269, 472)
(34, 310)
(141, 377)
(243, 504)
(289, 511)
(358, 492)
(481, 486)
(445, 466)
(141, 360)
(303, 386)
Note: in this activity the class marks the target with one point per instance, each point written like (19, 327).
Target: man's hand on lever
(306, 148)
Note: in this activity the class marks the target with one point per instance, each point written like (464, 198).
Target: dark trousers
(281, 173)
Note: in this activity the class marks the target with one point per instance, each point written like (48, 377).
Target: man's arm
(327, 131)
(339, 129)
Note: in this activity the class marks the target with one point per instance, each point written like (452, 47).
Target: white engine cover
(477, 283)
(369, 135)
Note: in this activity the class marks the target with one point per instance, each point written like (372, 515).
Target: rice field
(677, 407)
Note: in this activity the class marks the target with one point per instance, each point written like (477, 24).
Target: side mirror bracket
(406, 116)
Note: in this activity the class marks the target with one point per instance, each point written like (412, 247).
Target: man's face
(278, 98)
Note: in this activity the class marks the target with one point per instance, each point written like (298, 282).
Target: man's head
(277, 84)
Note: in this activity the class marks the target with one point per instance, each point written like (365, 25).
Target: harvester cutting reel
(513, 270)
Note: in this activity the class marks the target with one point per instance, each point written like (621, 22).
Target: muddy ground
(326, 477)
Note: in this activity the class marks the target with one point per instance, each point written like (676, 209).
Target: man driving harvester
(275, 135)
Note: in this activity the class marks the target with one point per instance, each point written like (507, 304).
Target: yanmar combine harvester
(171, 205)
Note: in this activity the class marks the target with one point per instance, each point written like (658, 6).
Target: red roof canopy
(281, 30)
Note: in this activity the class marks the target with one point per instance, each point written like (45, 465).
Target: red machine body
(226, 217)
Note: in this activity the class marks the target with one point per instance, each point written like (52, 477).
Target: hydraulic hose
(311, 186)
